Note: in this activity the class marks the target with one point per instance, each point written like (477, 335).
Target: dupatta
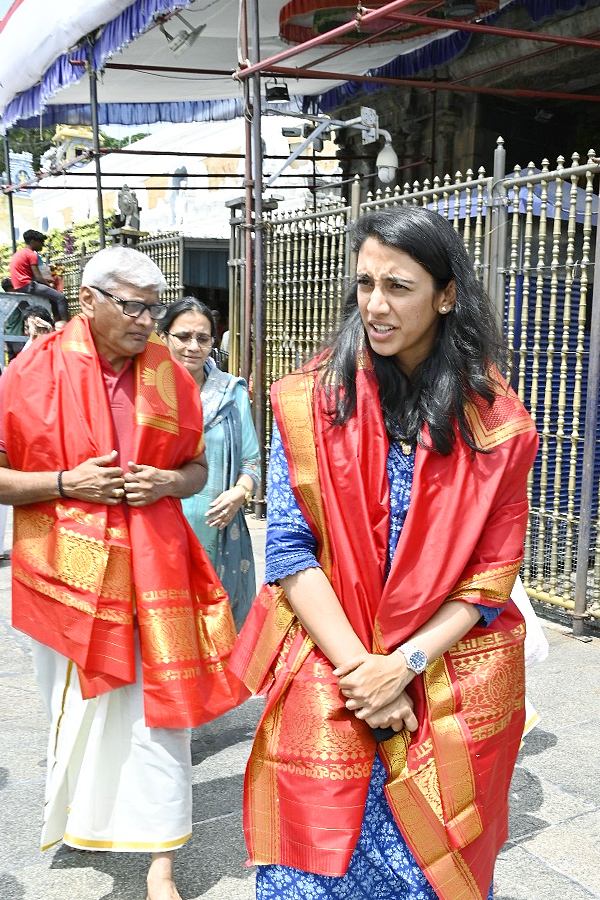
(309, 771)
(234, 561)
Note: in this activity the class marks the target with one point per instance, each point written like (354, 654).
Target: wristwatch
(416, 660)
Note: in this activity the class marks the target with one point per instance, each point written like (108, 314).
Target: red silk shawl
(309, 770)
(79, 568)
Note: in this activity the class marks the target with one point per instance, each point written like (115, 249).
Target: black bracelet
(61, 489)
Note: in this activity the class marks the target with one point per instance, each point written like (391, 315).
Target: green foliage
(111, 143)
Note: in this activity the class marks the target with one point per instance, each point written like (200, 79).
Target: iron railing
(529, 234)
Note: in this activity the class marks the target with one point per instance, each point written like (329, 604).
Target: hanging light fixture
(183, 39)
(276, 92)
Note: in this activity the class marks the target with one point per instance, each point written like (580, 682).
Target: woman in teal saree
(216, 513)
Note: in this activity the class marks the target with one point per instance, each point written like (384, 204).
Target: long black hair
(466, 347)
(186, 304)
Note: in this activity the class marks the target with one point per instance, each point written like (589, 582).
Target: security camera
(387, 163)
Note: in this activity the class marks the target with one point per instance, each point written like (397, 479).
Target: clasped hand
(374, 687)
(97, 481)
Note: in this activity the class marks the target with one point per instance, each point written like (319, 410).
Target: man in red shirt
(27, 278)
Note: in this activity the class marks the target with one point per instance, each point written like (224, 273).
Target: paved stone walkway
(553, 852)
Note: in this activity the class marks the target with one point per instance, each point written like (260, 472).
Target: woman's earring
(443, 309)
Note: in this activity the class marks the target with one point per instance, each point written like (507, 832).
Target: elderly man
(101, 437)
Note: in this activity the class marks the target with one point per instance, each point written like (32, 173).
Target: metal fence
(529, 234)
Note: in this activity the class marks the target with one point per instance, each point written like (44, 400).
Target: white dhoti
(112, 782)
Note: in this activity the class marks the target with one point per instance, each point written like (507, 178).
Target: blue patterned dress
(382, 866)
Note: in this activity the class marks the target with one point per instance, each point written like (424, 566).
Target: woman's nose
(377, 300)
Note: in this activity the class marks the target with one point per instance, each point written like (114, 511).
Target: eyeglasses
(186, 337)
(135, 308)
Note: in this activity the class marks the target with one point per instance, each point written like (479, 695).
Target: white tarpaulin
(40, 38)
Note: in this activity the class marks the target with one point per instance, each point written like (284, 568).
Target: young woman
(384, 638)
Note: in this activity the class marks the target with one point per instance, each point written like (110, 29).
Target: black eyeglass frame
(191, 336)
(141, 307)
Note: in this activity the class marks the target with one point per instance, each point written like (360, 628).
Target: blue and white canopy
(40, 39)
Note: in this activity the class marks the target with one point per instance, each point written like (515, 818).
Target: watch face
(417, 661)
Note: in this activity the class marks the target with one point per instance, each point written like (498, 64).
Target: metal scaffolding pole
(584, 547)
(259, 317)
(246, 309)
(9, 195)
(96, 141)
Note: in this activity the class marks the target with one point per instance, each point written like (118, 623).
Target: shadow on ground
(537, 741)
(10, 888)
(526, 792)
(215, 850)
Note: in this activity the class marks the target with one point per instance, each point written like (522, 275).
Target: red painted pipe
(455, 25)
(325, 38)
(286, 72)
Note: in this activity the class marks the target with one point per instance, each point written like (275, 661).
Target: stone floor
(554, 847)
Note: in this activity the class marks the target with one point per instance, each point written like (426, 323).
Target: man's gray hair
(114, 266)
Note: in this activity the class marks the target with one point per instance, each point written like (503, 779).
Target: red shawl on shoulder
(309, 771)
(81, 569)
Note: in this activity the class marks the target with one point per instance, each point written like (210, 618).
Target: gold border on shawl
(67, 599)
(263, 805)
(154, 374)
(157, 422)
(297, 426)
(297, 422)
(75, 347)
(76, 514)
(80, 561)
(263, 799)
(445, 868)
(279, 618)
(488, 435)
(455, 770)
(494, 584)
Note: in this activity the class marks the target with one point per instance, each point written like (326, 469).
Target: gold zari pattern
(493, 584)
(491, 426)
(321, 728)
(490, 677)
(172, 636)
(69, 599)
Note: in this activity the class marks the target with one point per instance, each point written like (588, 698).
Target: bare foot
(161, 883)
